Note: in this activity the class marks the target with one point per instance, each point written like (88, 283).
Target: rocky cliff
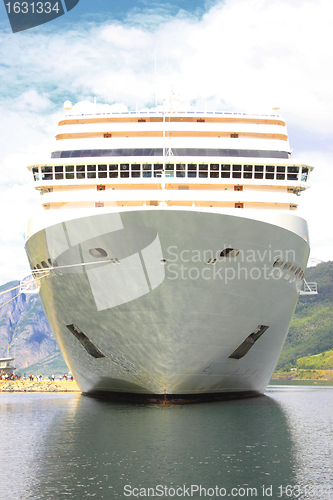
(24, 330)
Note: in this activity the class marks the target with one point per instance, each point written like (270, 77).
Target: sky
(231, 55)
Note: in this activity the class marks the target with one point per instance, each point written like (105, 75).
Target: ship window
(280, 169)
(158, 167)
(214, 170)
(98, 252)
(245, 346)
(191, 170)
(247, 171)
(203, 171)
(91, 171)
(146, 170)
(35, 173)
(293, 269)
(236, 171)
(113, 171)
(135, 170)
(180, 170)
(270, 168)
(169, 170)
(287, 265)
(69, 171)
(85, 342)
(305, 172)
(258, 175)
(124, 170)
(278, 263)
(102, 171)
(47, 174)
(269, 176)
(225, 171)
(280, 177)
(80, 171)
(293, 170)
(229, 252)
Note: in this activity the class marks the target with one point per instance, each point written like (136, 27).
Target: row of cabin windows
(213, 171)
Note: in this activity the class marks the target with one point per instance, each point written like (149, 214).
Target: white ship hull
(148, 311)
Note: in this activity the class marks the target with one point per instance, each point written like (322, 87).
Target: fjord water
(57, 446)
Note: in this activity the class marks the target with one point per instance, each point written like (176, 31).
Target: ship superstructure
(171, 247)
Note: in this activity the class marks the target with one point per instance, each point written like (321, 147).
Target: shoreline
(38, 386)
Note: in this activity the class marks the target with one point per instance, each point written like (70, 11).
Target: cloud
(246, 55)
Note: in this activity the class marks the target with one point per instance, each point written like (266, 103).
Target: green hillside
(311, 330)
(323, 361)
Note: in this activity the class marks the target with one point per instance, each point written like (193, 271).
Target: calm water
(74, 447)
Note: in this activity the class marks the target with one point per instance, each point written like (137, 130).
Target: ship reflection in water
(56, 446)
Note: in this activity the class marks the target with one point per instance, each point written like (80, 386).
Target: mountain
(24, 327)
(24, 330)
(311, 330)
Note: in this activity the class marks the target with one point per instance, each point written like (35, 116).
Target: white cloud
(241, 55)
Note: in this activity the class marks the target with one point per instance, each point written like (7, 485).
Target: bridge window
(113, 171)
(135, 170)
(35, 173)
(280, 175)
(191, 170)
(59, 172)
(214, 170)
(91, 171)
(269, 172)
(225, 171)
(259, 172)
(146, 170)
(102, 171)
(124, 170)
(292, 174)
(203, 171)
(305, 173)
(47, 174)
(69, 171)
(247, 171)
(237, 171)
(158, 167)
(80, 171)
(180, 170)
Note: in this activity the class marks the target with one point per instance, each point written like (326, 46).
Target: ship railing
(308, 288)
(31, 283)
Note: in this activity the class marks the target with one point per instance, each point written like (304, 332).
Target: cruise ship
(169, 256)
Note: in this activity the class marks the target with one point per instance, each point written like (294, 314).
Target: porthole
(44, 264)
(278, 263)
(287, 265)
(299, 270)
(98, 253)
(229, 252)
(293, 269)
